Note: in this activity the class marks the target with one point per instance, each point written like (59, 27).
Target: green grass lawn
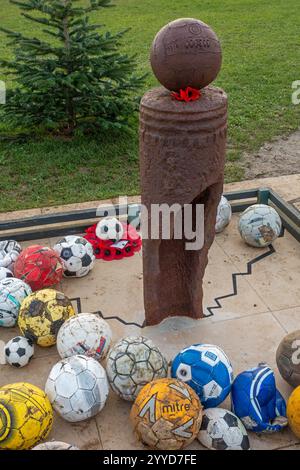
(260, 42)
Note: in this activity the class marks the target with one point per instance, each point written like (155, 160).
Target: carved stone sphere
(185, 53)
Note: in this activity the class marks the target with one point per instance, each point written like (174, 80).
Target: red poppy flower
(187, 95)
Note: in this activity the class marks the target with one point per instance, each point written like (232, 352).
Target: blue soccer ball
(207, 369)
(257, 402)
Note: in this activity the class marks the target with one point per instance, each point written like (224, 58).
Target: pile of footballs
(173, 404)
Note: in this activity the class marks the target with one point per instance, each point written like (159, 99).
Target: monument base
(182, 158)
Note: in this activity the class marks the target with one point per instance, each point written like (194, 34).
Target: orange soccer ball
(293, 411)
(166, 414)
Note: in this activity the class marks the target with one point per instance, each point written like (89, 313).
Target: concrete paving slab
(249, 324)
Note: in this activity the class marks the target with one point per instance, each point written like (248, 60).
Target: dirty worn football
(186, 53)
(288, 358)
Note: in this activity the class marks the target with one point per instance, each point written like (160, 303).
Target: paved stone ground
(248, 326)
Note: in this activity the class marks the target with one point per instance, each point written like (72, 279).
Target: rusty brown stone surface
(186, 52)
(182, 157)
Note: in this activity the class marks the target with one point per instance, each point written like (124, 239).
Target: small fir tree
(75, 78)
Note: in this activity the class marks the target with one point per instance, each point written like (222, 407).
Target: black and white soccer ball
(109, 229)
(5, 273)
(19, 351)
(77, 255)
(132, 363)
(222, 430)
(9, 253)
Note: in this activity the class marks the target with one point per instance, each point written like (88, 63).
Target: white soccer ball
(77, 387)
(86, 334)
(222, 430)
(5, 273)
(9, 253)
(55, 445)
(77, 255)
(224, 215)
(132, 363)
(19, 351)
(12, 293)
(109, 229)
(260, 225)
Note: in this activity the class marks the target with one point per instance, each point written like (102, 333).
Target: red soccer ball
(39, 266)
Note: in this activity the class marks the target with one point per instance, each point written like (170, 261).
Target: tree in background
(77, 78)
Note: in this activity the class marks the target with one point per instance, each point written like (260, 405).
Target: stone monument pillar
(182, 157)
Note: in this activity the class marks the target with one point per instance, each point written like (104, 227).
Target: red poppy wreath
(110, 250)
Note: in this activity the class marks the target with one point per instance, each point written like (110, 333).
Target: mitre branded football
(86, 334)
(19, 351)
(222, 430)
(12, 293)
(77, 255)
(26, 416)
(39, 267)
(257, 402)
(9, 253)
(207, 369)
(166, 414)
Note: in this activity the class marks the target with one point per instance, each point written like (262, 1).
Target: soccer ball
(9, 253)
(257, 402)
(85, 334)
(132, 363)
(12, 293)
(222, 430)
(55, 445)
(287, 358)
(42, 314)
(224, 214)
(207, 369)
(39, 266)
(109, 229)
(77, 388)
(260, 225)
(26, 416)
(166, 414)
(19, 351)
(5, 273)
(293, 411)
(77, 255)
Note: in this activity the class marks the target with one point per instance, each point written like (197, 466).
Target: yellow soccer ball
(42, 314)
(293, 411)
(26, 416)
(166, 414)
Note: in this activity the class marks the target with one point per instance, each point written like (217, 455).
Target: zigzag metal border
(120, 320)
(271, 251)
(77, 300)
